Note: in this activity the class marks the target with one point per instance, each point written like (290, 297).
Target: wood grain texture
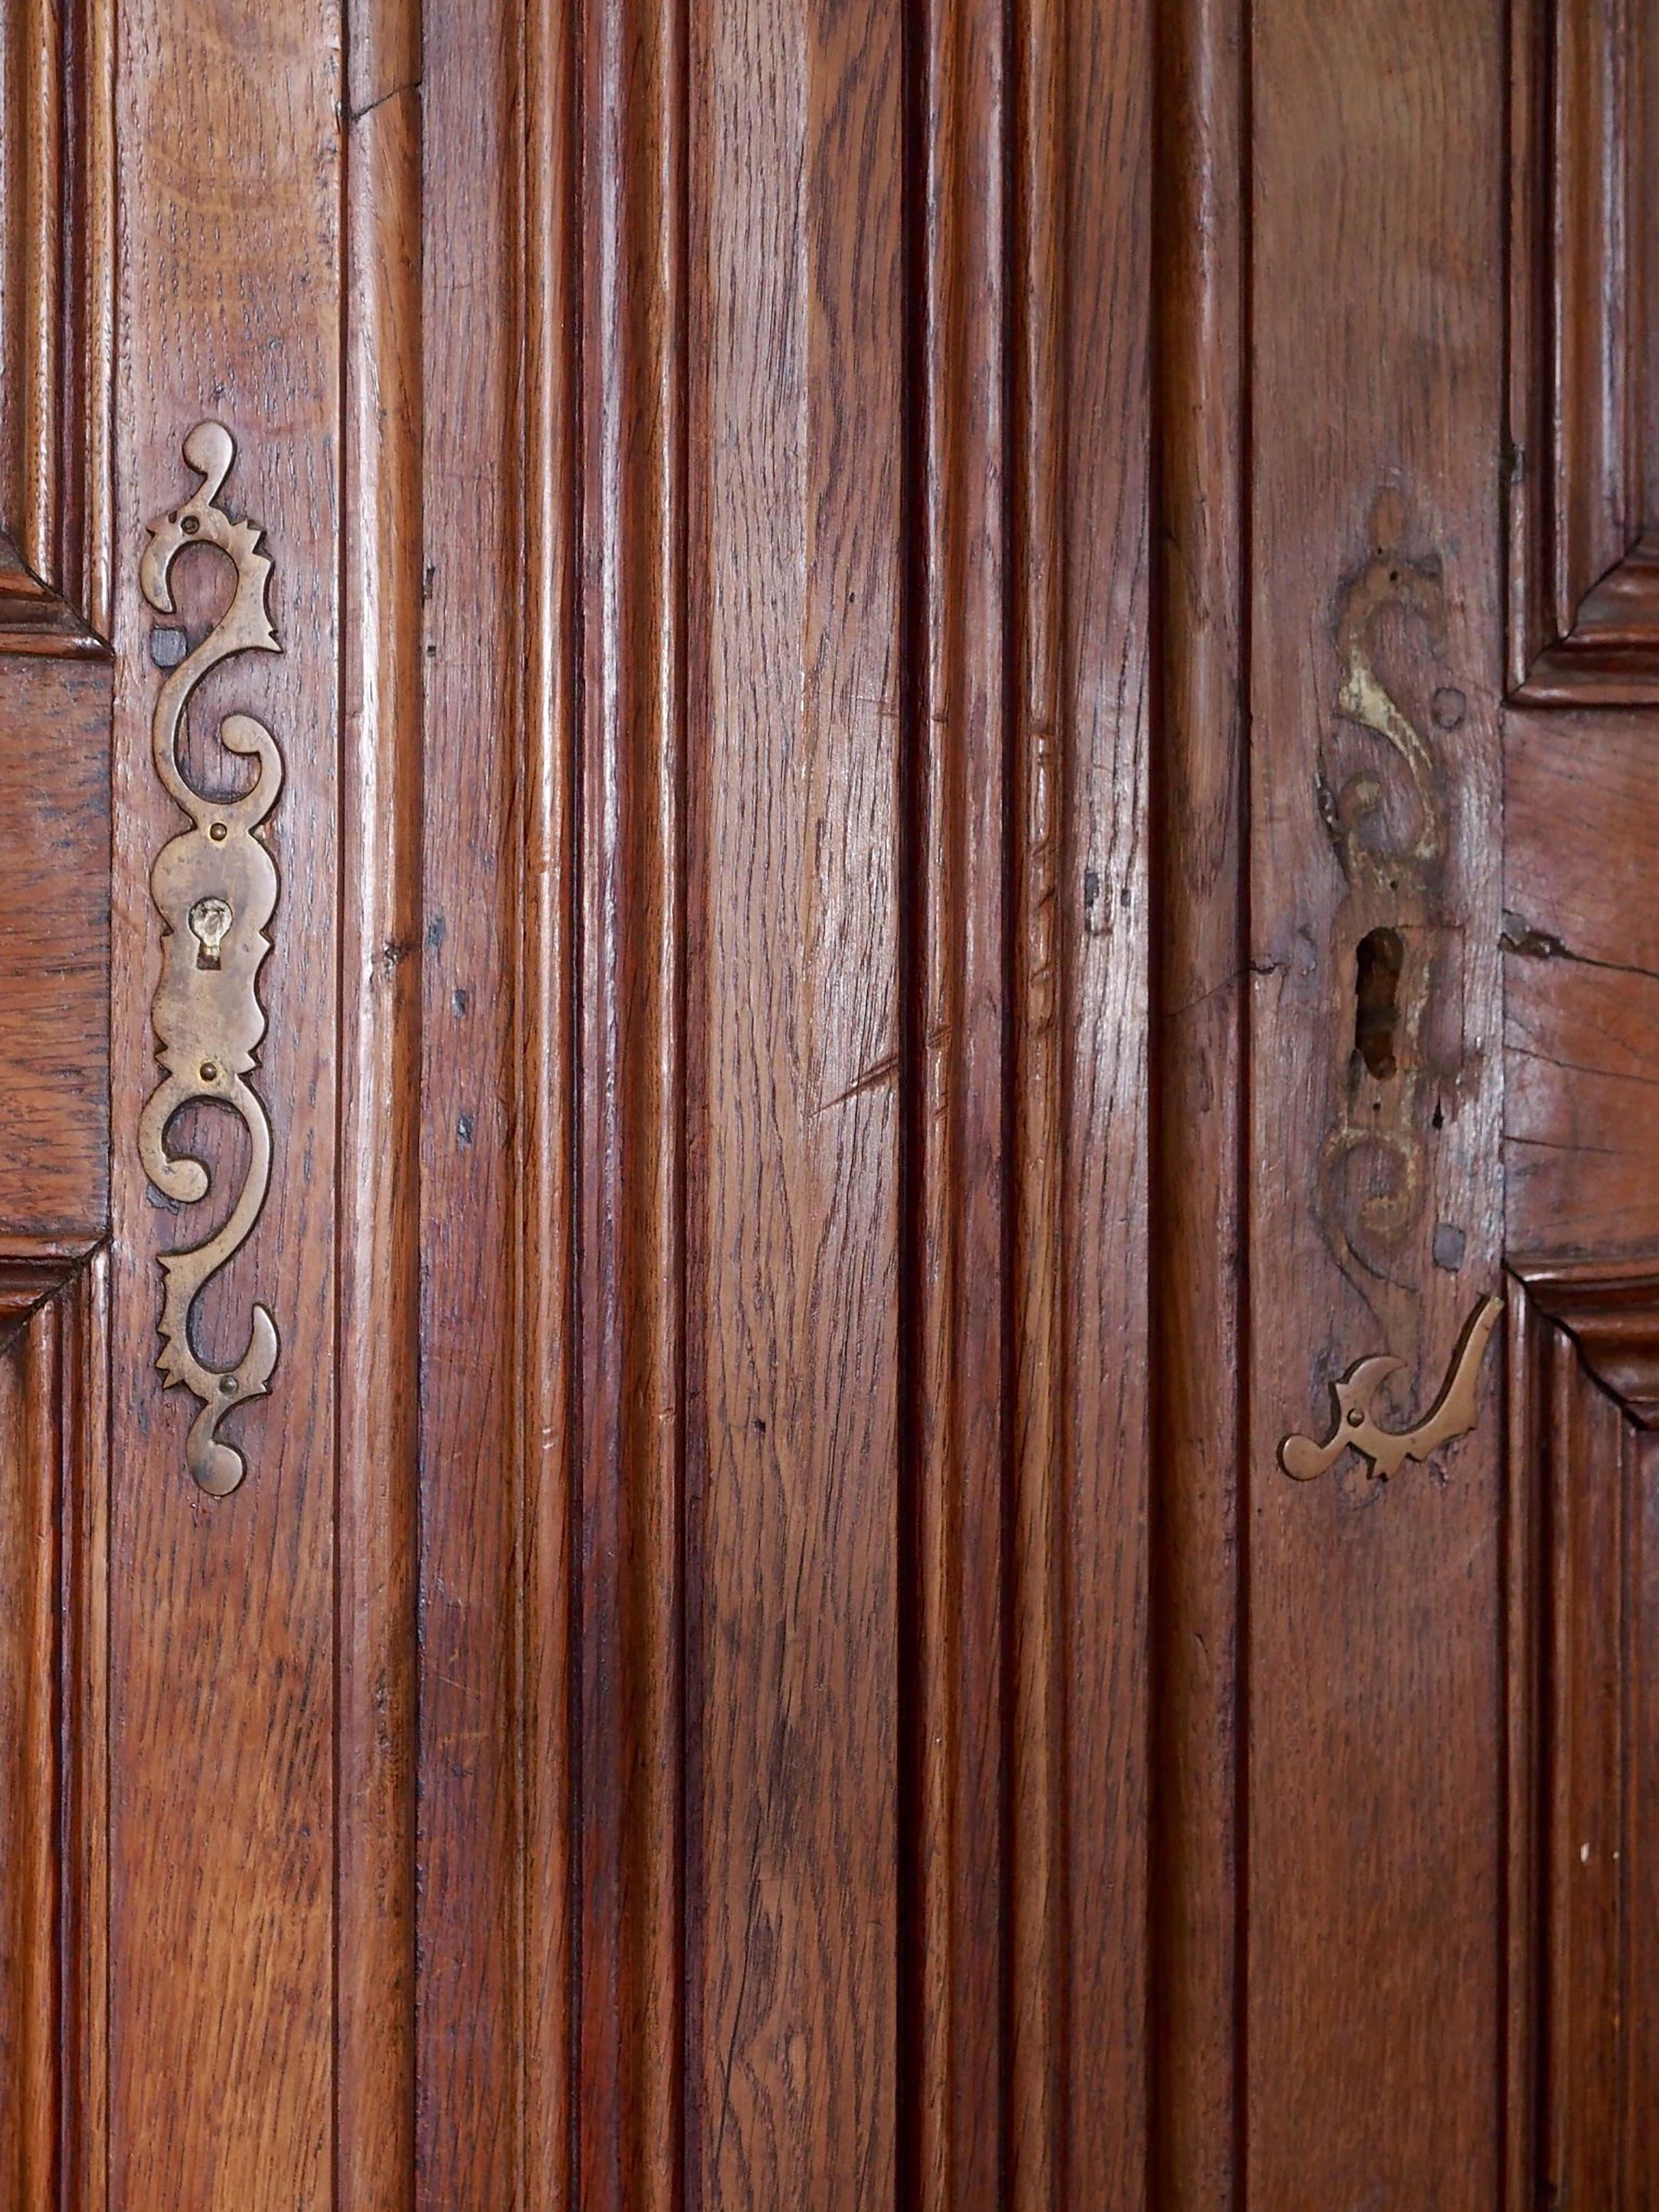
(817, 1261)
(222, 1616)
(1087, 185)
(31, 1393)
(1580, 1634)
(83, 1722)
(53, 1807)
(474, 1608)
(797, 700)
(33, 619)
(670, 1081)
(1581, 938)
(34, 59)
(1525, 1408)
(631, 1107)
(1370, 2036)
(964, 1356)
(377, 1222)
(1581, 453)
(56, 274)
(54, 951)
(547, 2154)
(1198, 1103)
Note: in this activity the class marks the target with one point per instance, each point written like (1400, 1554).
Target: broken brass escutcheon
(1453, 1413)
(215, 887)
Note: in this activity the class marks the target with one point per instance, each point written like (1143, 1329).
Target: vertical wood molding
(475, 1983)
(37, 125)
(84, 1708)
(1582, 1651)
(377, 1228)
(630, 1102)
(56, 322)
(545, 1148)
(1518, 1953)
(54, 954)
(965, 1357)
(1101, 203)
(1040, 726)
(819, 1602)
(1029, 857)
(1582, 466)
(53, 1726)
(31, 1404)
(1198, 1104)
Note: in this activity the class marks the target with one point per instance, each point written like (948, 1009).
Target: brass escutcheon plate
(215, 887)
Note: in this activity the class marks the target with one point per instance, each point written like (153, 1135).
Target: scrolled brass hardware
(1453, 1413)
(215, 887)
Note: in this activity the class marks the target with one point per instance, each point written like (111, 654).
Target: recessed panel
(54, 949)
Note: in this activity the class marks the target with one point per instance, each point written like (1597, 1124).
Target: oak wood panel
(222, 1698)
(1370, 2037)
(54, 950)
(1581, 938)
(797, 579)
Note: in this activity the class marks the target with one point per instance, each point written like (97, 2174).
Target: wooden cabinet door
(874, 784)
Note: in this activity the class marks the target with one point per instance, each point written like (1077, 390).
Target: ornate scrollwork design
(1386, 1450)
(216, 888)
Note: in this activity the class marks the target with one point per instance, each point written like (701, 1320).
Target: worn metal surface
(1453, 1413)
(216, 887)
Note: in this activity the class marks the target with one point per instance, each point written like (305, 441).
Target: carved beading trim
(216, 887)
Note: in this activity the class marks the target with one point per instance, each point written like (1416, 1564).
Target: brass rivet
(190, 525)
(227, 1384)
(218, 832)
(209, 1071)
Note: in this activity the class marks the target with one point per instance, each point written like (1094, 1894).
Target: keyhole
(1378, 959)
(209, 920)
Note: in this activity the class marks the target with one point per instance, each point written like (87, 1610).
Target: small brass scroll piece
(216, 887)
(1453, 1413)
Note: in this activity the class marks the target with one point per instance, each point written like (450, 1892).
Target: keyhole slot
(209, 922)
(1379, 958)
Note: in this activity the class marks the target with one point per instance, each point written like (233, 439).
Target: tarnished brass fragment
(216, 887)
(1453, 1413)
